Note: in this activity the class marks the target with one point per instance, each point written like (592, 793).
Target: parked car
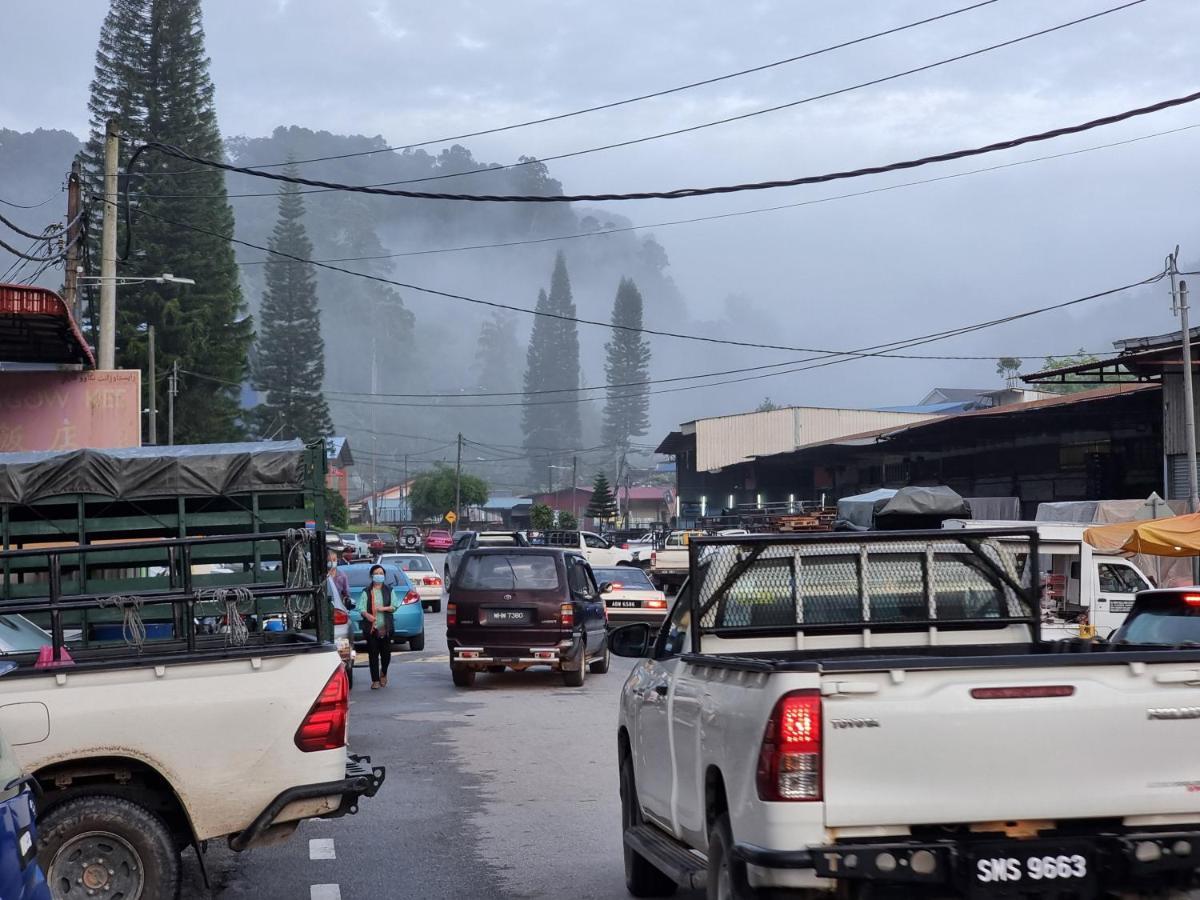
(421, 573)
(21, 877)
(357, 546)
(598, 550)
(409, 538)
(631, 596)
(408, 621)
(520, 607)
(472, 540)
(438, 541)
(669, 563)
(378, 542)
(1167, 616)
(779, 734)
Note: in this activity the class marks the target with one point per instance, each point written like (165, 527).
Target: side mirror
(606, 587)
(631, 641)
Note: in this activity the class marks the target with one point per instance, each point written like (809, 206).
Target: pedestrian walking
(377, 612)
(338, 586)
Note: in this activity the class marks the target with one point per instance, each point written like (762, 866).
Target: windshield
(360, 576)
(410, 563)
(628, 577)
(1161, 620)
(507, 572)
(19, 635)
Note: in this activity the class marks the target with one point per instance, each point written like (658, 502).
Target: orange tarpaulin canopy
(1176, 536)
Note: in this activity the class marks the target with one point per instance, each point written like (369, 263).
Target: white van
(1084, 593)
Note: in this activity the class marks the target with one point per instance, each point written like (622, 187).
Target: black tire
(417, 641)
(727, 878)
(349, 675)
(642, 879)
(463, 676)
(575, 677)
(600, 666)
(141, 860)
(497, 670)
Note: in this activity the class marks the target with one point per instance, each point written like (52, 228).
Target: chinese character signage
(69, 410)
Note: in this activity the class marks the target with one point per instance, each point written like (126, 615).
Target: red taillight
(566, 615)
(1191, 599)
(451, 614)
(624, 546)
(340, 617)
(653, 557)
(789, 764)
(656, 604)
(411, 597)
(432, 581)
(324, 728)
(1022, 693)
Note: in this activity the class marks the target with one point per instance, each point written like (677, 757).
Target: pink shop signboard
(69, 410)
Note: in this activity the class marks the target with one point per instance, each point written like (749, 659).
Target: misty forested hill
(424, 344)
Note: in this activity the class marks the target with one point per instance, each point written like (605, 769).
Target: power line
(729, 215)
(26, 256)
(13, 226)
(27, 205)
(613, 104)
(681, 193)
(823, 359)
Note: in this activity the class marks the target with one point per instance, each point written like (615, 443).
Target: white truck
(167, 734)
(868, 715)
(669, 563)
(1084, 593)
(600, 552)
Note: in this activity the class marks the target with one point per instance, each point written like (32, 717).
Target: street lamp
(164, 278)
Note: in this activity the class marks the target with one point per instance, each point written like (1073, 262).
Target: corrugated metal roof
(726, 440)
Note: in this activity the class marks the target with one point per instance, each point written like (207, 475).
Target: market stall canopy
(1176, 536)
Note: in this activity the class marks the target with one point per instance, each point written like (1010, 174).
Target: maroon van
(519, 607)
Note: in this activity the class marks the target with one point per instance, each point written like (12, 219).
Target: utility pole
(458, 484)
(406, 492)
(74, 231)
(575, 488)
(108, 251)
(1180, 305)
(172, 390)
(153, 390)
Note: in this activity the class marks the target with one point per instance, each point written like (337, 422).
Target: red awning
(36, 327)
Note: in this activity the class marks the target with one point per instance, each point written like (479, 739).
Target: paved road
(508, 790)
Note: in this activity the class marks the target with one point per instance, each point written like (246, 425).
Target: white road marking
(325, 892)
(321, 848)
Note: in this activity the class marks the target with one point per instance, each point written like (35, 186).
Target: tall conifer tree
(552, 429)
(627, 410)
(289, 365)
(152, 77)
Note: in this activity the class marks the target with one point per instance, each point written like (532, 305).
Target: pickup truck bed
(823, 729)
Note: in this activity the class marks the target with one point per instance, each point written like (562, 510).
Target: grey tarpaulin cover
(921, 507)
(995, 509)
(857, 513)
(143, 472)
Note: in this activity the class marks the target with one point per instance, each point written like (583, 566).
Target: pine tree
(289, 364)
(152, 77)
(627, 409)
(603, 505)
(552, 363)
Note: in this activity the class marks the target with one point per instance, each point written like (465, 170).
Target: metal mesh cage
(866, 580)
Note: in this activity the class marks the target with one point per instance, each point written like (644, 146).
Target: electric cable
(682, 193)
(729, 215)
(27, 205)
(13, 226)
(650, 96)
(822, 359)
(511, 307)
(15, 252)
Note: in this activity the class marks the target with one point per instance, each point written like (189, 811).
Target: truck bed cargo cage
(248, 594)
(771, 585)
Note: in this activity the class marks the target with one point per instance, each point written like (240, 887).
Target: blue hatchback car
(408, 622)
(20, 877)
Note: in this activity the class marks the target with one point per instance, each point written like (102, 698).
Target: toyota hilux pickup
(876, 715)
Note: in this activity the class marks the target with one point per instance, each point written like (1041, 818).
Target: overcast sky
(841, 274)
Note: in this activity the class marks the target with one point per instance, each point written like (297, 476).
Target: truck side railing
(843, 582)
(273, 602)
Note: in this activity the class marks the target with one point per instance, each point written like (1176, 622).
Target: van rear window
(508, 572)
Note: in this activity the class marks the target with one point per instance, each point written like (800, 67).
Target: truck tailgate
(945, 746)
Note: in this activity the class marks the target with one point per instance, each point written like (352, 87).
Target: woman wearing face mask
(377, 612)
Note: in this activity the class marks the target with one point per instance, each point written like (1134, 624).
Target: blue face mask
(377, 578)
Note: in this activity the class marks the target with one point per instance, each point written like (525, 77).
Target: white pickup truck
(168, 734)
(875, 715)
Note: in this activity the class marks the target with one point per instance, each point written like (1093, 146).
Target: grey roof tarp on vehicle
(908, 507)
(144, 472)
